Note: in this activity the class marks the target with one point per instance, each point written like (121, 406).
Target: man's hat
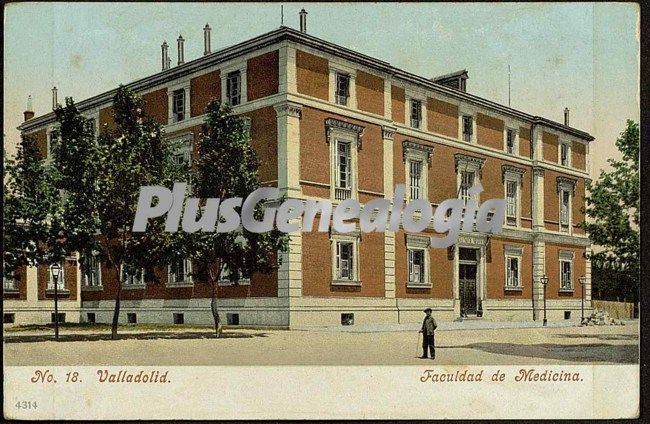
(428, 310)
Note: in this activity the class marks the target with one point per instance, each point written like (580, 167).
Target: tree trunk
(116, 311)
(215, 312)
(213, 301)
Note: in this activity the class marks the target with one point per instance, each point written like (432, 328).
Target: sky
(578, 55)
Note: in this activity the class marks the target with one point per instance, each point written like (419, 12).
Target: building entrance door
(467, 282)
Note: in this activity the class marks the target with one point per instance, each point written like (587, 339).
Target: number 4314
(26, 404)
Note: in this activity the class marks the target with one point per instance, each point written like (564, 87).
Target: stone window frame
(515, 146)
(463, 162)
(340, 131)
(84, 280)
(412, 151)
(338, 67)
(513, 252)
(139, 285)
(187, 281)
(184, 85)
(565, 256)
(353, 237)
(566, 185)
(10, 282)
(222, 280)
(420, 243)
(461, 115)
(411, 94)
(60, 282)
(240, 66)
(569, 149)
(514, 174)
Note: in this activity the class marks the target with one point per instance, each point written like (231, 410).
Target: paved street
(515, 346)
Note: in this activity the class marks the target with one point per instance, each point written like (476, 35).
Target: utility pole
(281, 15)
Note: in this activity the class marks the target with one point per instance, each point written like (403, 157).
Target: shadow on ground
(594, 352)
(600, 336)
(128, 336)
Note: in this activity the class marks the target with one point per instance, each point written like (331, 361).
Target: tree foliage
(227, 167)
(612, 208)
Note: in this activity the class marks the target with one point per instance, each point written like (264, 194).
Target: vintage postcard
(321, 211)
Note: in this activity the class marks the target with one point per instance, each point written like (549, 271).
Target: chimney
(29, 112)
(206, 40)
(303, 21)
(566, 116)
(166, 61)
(181, 54)
(54, 97)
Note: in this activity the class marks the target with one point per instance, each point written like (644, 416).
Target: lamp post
(544, 281)
(56, 272)
(582, 280)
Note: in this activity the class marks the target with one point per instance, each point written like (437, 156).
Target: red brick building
(328, 122)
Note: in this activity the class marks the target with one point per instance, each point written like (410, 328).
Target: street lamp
(56, 272)
(544, 281)
(582, 280)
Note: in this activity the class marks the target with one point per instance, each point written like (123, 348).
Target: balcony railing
(342, 193)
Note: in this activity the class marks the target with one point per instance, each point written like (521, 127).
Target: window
(92, 123)
(511, 202)
(91, 318)
(232, 318)
(131, 318)
(415, 179)
(566, 274)
(416, 266)
(60, 282)
(467, 128)
(179, 271)
(233, 88)
(91, 270)
(10, 281)
(564, 154)
(179, 318)
(344, 261)
(466, 182)
(344, 170)
(565, 203)
(61, 317)
(53, 141)
(416, 113)
(510, 141)
(8, 318)
(344, 139)
(132, 277)
(512, 272)
(178, 105)
(513, 255)
(342, 92)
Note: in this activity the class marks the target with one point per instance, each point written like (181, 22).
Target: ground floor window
(179, 271)
(10, 281)
(60, 281)
(513, 254)
(566, 270)
(132, 277)
(345, 263)
(91, 270)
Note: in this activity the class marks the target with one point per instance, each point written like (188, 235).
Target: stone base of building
(276, 312)
(41, 312)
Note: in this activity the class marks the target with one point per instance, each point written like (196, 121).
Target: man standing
(428, 327)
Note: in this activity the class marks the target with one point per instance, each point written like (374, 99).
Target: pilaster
(287, 71)
(388, 134)
(31, 280)
(539, 269)
(538, 199)
(288, 125)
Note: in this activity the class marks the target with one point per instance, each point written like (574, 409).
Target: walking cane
(417, 347)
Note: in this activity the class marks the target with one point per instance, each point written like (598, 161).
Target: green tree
(31, 210)
(612, 206)
(133, 154)
(227, 167)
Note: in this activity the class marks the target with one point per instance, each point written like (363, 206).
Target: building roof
(457, 74)
(285, 33)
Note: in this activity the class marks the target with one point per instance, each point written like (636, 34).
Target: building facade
(331, 123)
